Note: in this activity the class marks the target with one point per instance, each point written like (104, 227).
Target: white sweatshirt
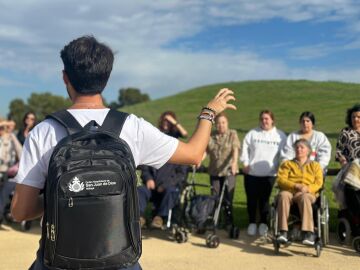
(321, 148)
(261, 151)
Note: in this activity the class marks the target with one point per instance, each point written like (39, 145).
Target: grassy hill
(287, 99)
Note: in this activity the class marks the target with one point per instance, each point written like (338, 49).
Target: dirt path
(17, 251)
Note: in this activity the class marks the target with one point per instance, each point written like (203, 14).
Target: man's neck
(87, 102)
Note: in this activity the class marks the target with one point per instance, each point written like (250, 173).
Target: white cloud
(291, 10)
(33, 32)
(4, 82)
(312, 52)
(162, 72)
(322, 74)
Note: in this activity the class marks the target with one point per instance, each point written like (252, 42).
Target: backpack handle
(67, 120)
(114, 122)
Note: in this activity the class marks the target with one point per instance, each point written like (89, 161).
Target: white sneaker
(251, 230)
(263, 229)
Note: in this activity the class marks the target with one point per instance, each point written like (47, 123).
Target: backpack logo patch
(76, 185)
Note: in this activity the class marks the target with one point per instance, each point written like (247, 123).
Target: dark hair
(350, 111)
(309, 115)
(162, 119)
(88, 64)
(267, 112)
(26, 116)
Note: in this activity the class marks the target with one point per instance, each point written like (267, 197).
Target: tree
(130, 96)
(40, 104)
(113, 105)
(46, 103)
(17, 110)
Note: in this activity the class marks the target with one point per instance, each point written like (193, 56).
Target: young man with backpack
(86, 171)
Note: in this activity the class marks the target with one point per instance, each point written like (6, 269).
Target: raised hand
(171, 119)
(220, 102)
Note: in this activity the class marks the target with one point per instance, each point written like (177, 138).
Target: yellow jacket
(291, 173)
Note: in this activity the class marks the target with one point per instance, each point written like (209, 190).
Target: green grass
(287, 99)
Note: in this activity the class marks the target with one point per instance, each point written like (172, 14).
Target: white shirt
(321, 148)
(261, 151)
(148, 145)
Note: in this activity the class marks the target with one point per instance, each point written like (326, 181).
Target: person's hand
(234, 168)
(150, 184)
(298, 187)
(304, 189)
(246, 169)
(343, 162)
(160, 189)
(220, 102)
(171, 119)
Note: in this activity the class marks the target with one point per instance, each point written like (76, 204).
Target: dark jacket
(169, 175)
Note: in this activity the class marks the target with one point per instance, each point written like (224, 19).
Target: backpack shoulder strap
(114, 121)
(67, 120)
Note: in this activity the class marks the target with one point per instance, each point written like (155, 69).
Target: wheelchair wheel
(181, 237)
(356, 244)
(272, 217)
(343, 231)
(25, 225)
(276, 246)
(325, 223)
(318, 249)
(212, 241)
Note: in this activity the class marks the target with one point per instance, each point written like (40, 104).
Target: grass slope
(287, 99)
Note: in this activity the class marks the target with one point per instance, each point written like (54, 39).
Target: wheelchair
(321, 224)
(348, 227)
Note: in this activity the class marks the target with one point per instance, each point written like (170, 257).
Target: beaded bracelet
(209, 109)
(207, 115)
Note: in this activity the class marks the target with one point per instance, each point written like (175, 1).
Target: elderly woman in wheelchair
(300, 181)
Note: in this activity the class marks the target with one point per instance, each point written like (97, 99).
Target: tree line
(43, 104)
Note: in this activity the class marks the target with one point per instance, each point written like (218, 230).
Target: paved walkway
(17, 251)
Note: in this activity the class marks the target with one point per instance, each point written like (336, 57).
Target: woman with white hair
(299, 180)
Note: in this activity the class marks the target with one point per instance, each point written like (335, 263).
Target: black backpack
(201, 208)
(91, 217)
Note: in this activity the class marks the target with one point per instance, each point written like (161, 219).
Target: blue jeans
(163, 201)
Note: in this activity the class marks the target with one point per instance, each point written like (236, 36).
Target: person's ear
(65, 78)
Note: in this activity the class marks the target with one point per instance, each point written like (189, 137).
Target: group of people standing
(261, 152)
(11, 141)
(304, 156)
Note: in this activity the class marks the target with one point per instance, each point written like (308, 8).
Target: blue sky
(163, 47)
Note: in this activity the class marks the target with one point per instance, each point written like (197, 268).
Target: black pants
(352, 199)
(258, 190)
(217, 183)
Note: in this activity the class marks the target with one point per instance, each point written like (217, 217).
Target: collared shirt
(291, 173)
(220, 150)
